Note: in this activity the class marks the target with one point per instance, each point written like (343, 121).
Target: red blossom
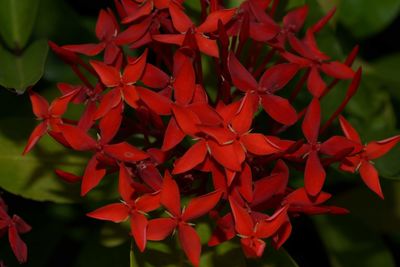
(226, 144)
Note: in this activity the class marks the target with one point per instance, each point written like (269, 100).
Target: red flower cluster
(14, 225)
(150, 115)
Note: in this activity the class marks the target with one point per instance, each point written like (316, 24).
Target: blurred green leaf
(21, 71)
(58, 22)
(32, 176)
(367, 17)
(274, 258)
(17, 18)
(350, 243)
(94, 254)
(386, 70)
(380, 215)
(112, 234)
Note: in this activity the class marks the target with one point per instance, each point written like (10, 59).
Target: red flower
(15, 226)
(314, 176)
(159, 229)
(133, 206)
(104, 151)
(197, 35)
(107, 29)
(273, 79)
(50, 115)
(361, 159)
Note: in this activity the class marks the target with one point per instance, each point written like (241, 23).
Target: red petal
(125, 187)
(190, 243)
(270, 226)
(245, 183)
(323, 21)
(169, 38)
(207, 46)
(40, 106)
(173, 135)
(154, 77)
(109, 75)
(86, 49)
(116, 212)
(252, 248)
(207, 114)
(179, 18)
(156, 102)
(225, 155)
(133, 32)
(295, 19)
(349, 131)
(299, 197)
(110, 123)
(211, 22)
(109, 101)
(18, 246)
(279, 109)
(59, 106)
(125, 152)
(186, 119)
(199, 206)
(314, 176)
(106, 25)
(336, 145)
(278, 76)
(21, 225)
(138, 228)
(92, 176)
(370, 177)
(148, 202)
(142, 9)
(263, 32)
(36, 134)
(131, 95)
(377, 149)
(312, 121)
(193, 157)
(170, 196)
(185, 79)
(337, 70)
(112, 54)
(243, 119)
(68, 177)
(134, 70)
(272, 185)
(241, 78)
(221, 135)
(87, 119)
(258, 144)
(315, 84)
(78, 139)
(159, 229)
(243, 222)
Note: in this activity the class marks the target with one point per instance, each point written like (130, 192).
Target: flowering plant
(185, 148)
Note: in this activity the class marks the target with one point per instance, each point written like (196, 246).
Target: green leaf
(350, 243)
(274, 258)
(380, 215)
(32, 176)
(17, 18)
(385, 69)
(367, 17)
(20, 72)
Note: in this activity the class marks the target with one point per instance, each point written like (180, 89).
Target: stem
(132, 259)
(266, 60)
(299, 86)
(81, 76)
